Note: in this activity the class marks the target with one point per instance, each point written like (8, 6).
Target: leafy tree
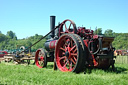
(109, 33)
(98, 31)
(11, 34)
(2, 37)
(120, 41)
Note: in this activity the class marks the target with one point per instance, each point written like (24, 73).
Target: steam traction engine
(73, 49)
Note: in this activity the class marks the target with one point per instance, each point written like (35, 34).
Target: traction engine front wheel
(41, 58)
(69, 54)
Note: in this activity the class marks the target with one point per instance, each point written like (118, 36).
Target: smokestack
(52, 25)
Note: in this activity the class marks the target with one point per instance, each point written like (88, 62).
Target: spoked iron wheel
(41, 58)
(69, 54)
(67, 26)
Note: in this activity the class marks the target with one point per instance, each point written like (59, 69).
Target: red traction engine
(73, 49)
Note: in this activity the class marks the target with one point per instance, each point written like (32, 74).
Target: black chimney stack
(52, 25)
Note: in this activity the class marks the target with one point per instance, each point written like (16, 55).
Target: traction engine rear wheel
(69, 54)
(41, 58)
(67, 26)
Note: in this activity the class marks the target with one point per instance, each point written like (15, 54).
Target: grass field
(11, 74)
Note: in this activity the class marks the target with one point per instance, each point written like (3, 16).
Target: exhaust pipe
(52, 25)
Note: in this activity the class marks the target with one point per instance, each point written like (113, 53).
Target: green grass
(11, 74)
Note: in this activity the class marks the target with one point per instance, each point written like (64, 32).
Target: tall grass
(11, 74)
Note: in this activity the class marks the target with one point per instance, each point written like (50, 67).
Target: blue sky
(29, 17)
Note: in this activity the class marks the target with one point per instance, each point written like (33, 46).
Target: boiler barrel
(50, 45)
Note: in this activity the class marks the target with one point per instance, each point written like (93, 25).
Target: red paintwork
(95, 37)
(94, 61)
(2, 53)
(83, 30)
(52, 44)
(86, 42)
(63, 64)
(64, 52)
(63, 26)
(37, 62)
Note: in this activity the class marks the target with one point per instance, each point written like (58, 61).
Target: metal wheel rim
(66, 62)
(64, 26)
(39, 59)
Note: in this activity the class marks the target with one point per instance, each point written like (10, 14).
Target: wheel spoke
(63, 53)
(41, 63)
(73, 47)
(73, 61)
(41, 58)
(74, 58)
(71, 43)
(62, 49)
(65, 64)
(61, 58)
(69, 26)
(66, 28)
(74, 54)
(74, 50)
(65, 48)
(66, 44)
(70, 65)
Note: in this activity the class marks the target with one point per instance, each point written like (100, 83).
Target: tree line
(10, 41)
(120, 39)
